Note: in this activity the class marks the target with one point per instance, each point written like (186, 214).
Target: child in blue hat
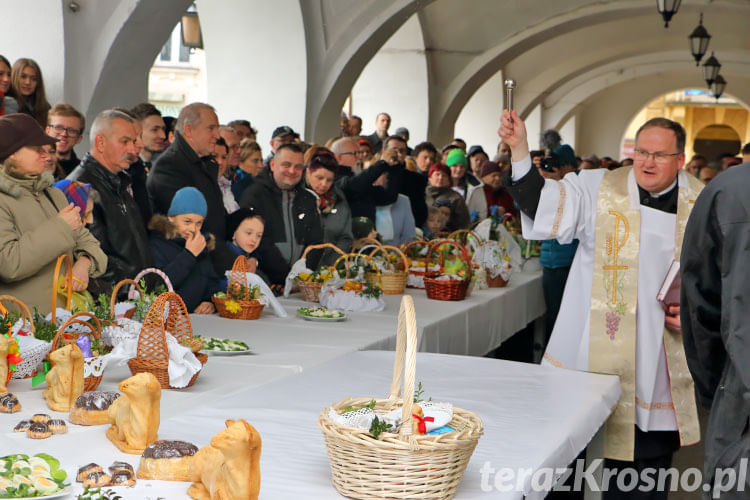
(181, 250)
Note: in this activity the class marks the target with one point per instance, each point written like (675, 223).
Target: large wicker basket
(153, 354)
(310, 290)
(447, 289)
(399, 465)
(93, 368)
(392, 280)
(249, 309)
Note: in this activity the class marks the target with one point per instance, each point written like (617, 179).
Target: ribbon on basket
(421, 425)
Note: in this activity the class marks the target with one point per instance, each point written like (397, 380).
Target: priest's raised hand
(513, 132)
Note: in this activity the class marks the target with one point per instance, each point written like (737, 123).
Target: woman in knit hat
(491, 192)
(181, 250)
(37, 224)
(439, 190)
(461, 179)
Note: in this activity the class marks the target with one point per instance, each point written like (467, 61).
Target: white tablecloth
(473, 326)
(534, 417)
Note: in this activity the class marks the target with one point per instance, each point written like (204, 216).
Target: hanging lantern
(667, 9)
(191, 31)
(711, 69)
(718, 87)
(699, 39)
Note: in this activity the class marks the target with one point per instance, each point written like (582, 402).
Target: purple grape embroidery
(613, 324)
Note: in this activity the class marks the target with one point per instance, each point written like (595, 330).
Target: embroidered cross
(614, 249)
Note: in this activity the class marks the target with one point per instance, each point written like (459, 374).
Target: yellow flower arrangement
(232, 306)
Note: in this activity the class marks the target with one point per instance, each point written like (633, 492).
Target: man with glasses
(290, 211)
(630, 223)
(65, 123)
(346, 152)
(232, 138)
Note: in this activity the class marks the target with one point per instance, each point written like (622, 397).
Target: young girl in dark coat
(181, 250)
(245, 228)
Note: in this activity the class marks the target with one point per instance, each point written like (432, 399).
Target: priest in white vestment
(630, 223)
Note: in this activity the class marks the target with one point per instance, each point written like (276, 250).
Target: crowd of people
(189, 195)
(182, 193)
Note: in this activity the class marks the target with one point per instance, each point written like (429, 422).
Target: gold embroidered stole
(612, 335)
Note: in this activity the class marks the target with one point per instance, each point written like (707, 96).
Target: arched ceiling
(545, 44)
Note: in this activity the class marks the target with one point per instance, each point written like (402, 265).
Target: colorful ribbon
(421, 426)
(40, 377)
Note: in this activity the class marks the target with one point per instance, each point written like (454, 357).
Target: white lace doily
(332, 297)
(32, 352)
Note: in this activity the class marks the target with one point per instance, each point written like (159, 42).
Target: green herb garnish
(378, 426)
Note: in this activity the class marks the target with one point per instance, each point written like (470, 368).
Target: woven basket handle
(395, 250)
(405, 363)
(355, 256)
(113, 299)
(25, 312)
(461, 256)
(150, 270)
(238, 276)
(152, 341)
(68, 284)
(320, 246)
(406, 247)
(96, 328)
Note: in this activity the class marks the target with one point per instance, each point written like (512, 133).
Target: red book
(669, 292)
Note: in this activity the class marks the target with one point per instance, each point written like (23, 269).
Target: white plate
(212, 352)
(58, 494)
(325, 320)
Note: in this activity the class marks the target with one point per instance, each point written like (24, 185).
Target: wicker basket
(364, 245)
(310, 290)
(28, 319)
(92, 365)
(32, 358)
(249, 309)
(354, 257)
(406, 249)
(153, 354)
(447, 289)
(496, 282)
(392, 281)
(399, 465)
(68, 288)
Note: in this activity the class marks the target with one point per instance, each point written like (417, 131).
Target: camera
(550, 163)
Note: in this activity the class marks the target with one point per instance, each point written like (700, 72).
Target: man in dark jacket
(715, 327)
(117, 221)
(406, 182)
(189, 162)
(290, 211)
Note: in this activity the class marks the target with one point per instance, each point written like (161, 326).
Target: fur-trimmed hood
(14, 186)
(162, 224)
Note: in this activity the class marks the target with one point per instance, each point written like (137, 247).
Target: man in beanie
(461, 179)
(37, 224)
(491, 192)
(439, 190)
(476, 156)
(181, 249)
(118, 224)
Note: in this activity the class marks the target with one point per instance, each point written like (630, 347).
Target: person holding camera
(556, 258)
